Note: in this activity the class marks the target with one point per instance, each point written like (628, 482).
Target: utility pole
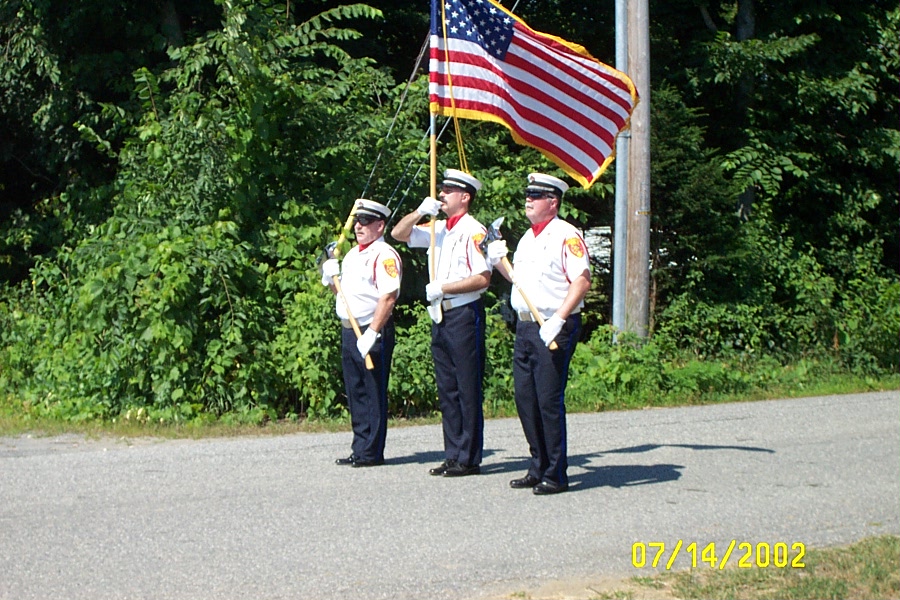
(637, 303)
(620, 226)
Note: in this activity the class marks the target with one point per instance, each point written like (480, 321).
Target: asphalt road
(273, 517)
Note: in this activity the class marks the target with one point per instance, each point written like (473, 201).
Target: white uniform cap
(457, 178)
(547, 183)
(370, 208)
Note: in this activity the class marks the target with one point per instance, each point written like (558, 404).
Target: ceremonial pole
(435, 309)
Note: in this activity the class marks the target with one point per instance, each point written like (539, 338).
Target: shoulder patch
(477, 239)
(575, 246)
(390, 267)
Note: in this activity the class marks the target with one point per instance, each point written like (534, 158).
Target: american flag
(553, 95)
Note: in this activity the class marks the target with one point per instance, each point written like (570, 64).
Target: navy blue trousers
(367, 391)
(457, 345)
(540, 377)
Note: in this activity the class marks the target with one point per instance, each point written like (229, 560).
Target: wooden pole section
(353, 322)
(336, 281)
(434, 311)
(433, 193)
(637, 304)
(347, 227)
(539, 319)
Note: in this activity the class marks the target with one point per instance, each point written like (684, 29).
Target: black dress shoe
(461, 470)
(346, 461)
(442, 468)
(544, 488)
(529, 481)
(357, 462)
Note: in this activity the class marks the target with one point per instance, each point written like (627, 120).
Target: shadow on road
(516, 465)
(419, 458)
(424, 458)
(618, 476)
(615, 476)
(649, 447)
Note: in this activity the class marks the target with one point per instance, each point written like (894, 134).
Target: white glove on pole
(433, 291)
(331, 268)
(365, 342)
(551, 328)
(497, 251)
(429, 207)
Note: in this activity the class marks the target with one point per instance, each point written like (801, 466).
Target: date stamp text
(745, 555)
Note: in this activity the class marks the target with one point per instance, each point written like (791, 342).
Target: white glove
(433, 290)
(497, 251)
(551, 328)
(331, 268)
(365, 342)
(429, 207)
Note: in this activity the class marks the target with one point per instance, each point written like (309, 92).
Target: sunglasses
(363, 220)
(535, 194)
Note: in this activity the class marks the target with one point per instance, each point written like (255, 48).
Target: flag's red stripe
(571, 110)
(565, 89)
(534, 141)
(553, 47)
(529, 114)
(547, 77)
(547, 57)
(517, 118)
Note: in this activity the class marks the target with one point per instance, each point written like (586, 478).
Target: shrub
(412, 391)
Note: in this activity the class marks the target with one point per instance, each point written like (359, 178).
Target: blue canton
(481, 22)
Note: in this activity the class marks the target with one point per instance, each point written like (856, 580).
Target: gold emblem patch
(390, 267)
(477, 239)
(575, 246)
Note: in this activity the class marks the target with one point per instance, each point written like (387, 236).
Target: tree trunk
(745, 29)
(170, 24)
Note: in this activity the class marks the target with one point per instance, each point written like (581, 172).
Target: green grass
(14, 421)
(869, 569)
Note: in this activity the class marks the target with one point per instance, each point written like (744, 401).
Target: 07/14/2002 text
(761, 555)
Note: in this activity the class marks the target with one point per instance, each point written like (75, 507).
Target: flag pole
(432, 154)
(435, 308)
(437, 12)
(433, 191)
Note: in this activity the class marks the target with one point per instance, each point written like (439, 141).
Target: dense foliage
(170, 180)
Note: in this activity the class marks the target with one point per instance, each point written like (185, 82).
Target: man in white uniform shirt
(552, 269)
(457, 340)
(370, 283)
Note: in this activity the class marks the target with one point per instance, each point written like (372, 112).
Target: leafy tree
(802, 99)
(170, 179)
(184, 298)
(63, 62)
(696, 234)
